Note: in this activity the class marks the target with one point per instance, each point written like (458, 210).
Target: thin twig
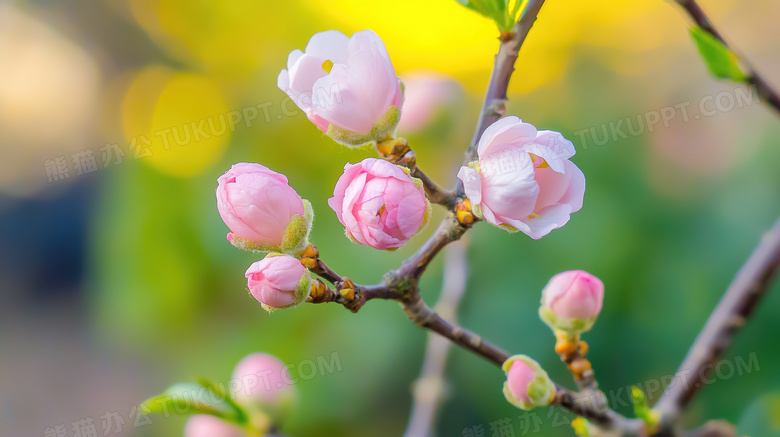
(764, 90)
(591, 406)
(430, 387)
(741, 298)
(494, 106)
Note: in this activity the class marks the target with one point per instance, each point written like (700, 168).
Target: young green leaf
(722, 62)
(188, 398)
(641, 410)
(496, 10)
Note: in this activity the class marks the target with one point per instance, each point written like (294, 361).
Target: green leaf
(722, 62)
(496, 10)
(241, 417)
(189, 398)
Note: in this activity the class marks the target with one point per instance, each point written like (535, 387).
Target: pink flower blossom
(205, 425)
(523, 179)
(278, 281)
(345, 83)
(259, 207)
(425, 93)
(379, 204)
(261, 377)
(575, 294)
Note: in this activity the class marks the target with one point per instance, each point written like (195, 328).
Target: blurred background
(117, 279)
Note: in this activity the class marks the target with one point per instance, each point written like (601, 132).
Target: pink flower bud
(523, 179)
(261, 377)
(518, 378)
(571, 301)
(278, 281)
(264, 387)
(527, 384)
(379, 204)
(205, 425)
(346, 86)
(263, 212)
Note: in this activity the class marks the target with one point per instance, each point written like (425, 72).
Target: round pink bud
(379, 204)
(205, 425)
(346, 86)
(278, 281)
(518, 378)
(261, 377)
(523, 179)
(575, 294)
(261, 209)
(527, 385)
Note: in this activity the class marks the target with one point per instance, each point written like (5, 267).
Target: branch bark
(739, 302)
(430, 388)
(494, 106)
(765, 91)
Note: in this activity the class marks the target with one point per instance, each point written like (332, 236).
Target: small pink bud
(571, 301)
(518, 378)
(261, 209)
(278, 281)
(379, 204)
(205, 425)
(523, 179)
(346, 86)
(527, 384)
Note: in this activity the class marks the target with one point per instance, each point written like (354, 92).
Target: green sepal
(721, 61)
(296, 236)
(572, 327)
(383, 128)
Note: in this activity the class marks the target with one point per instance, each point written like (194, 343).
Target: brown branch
(430, 387)
(765, 91)
(739, 302)
(494, 106)
(590, 405)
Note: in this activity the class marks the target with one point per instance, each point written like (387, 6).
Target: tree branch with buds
(514, 177)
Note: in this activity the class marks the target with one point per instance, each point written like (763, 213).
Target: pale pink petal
(330, 44)
(552, 217)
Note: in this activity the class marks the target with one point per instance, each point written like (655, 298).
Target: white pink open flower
(262, 211)
(346, 86)
(278, 281)
(523, 179)
(379, 204)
